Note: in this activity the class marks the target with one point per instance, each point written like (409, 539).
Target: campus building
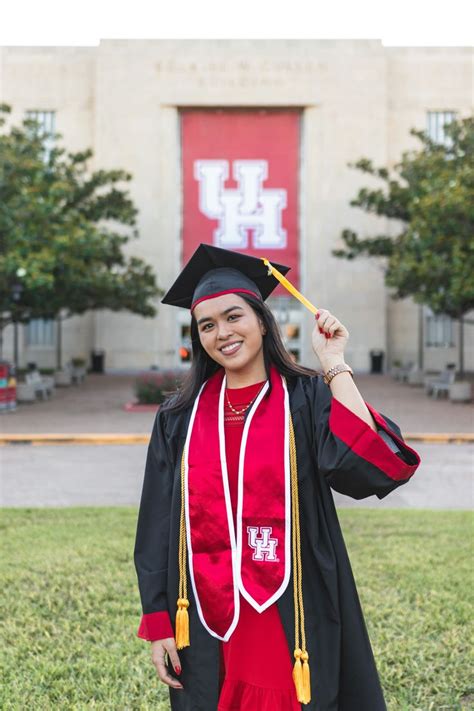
(246, 145)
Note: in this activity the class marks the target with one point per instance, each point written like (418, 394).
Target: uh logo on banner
(249, 207)
(240, 183)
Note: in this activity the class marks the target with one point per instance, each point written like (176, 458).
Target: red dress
(256, 665)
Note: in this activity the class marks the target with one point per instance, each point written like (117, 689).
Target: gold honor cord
(289, 286)
(182, 617)
(301, 673)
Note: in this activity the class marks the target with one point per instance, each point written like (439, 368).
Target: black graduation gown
(337, 452)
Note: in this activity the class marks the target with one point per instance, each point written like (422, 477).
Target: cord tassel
(306, 678)
(298, 676)
(182, 624)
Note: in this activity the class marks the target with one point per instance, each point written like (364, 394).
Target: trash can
(376, 361)
(97, 361)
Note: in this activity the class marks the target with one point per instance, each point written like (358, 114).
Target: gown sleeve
(355, 460)
(152, 536)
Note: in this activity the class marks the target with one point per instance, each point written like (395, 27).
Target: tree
(61, 247)
(432, 195)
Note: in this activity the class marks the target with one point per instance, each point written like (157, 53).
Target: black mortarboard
(212, 271)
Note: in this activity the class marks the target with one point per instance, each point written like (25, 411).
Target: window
(439, 331)
(41, 332)
(436, 121)
(46, 126)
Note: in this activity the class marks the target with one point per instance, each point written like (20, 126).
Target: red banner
(240, 183)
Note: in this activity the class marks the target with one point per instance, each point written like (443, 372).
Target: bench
(40, 385)
(440, 384)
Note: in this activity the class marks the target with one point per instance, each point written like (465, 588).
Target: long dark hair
(203, 366)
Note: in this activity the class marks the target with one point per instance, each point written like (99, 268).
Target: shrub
(78, 362)
(153, 387)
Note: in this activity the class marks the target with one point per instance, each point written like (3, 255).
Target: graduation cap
(212, 271)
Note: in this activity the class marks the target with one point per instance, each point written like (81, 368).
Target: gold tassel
(301, 671)
(289, 286)
(182, 616)
(298, 675)
(182, 624)
(306, 678)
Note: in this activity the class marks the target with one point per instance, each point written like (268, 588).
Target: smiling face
(231, 334)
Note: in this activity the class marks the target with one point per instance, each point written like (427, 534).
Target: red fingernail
(321, 330)
(178, 670)
(317, 314)
(328, 335)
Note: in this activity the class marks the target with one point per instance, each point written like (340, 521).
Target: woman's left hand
(329, 339)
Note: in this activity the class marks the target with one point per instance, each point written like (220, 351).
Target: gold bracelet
(335, 370)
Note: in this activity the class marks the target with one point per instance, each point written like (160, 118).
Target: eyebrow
(223, 313)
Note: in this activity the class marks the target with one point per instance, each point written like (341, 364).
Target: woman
(237, 498)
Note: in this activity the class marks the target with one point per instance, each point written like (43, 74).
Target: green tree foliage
(63, 231)
(432, 196)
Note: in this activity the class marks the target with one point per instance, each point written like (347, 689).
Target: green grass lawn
(70, 608)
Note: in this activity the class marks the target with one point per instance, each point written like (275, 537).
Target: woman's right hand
(159, 649)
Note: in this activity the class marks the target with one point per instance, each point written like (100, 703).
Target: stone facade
(357, 98)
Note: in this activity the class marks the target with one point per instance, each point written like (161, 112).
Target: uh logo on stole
(264, 547)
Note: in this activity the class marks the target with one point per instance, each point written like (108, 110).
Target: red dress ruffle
(256, 665)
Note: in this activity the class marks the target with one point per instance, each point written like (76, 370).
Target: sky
(418, 23)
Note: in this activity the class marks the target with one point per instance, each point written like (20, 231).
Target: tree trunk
(461, 348)
(59, 354)
(420, 337)
(15, 345)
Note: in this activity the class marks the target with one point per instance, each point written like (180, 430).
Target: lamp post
(16, 292)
